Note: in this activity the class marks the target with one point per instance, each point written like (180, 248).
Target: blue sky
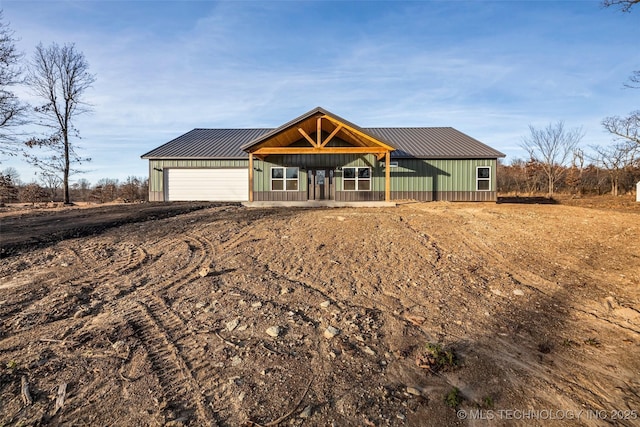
(487, 68)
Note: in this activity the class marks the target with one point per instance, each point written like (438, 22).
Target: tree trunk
(65, 178)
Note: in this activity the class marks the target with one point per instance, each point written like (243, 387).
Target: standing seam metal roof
(424, 142)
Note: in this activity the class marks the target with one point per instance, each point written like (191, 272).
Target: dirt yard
(201, 314)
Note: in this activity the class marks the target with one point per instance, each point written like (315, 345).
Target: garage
(227, 185)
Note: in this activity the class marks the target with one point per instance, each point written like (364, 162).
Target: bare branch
(12, 111)
(625, 128)
(624, 5)
(634, 80)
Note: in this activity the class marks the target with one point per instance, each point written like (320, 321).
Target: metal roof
(424, 143)
(433, 143)
(207, 144)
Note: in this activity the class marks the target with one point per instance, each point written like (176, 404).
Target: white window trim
(284, 178)
(357, 179)
(478, 179)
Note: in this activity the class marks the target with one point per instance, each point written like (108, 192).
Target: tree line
(526, 178)
(49, 190)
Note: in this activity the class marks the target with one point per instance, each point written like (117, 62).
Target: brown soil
(159, 316)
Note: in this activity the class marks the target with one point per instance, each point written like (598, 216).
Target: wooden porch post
(251, 177)
(387, 177)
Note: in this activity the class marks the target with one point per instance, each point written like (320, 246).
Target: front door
(320, 184)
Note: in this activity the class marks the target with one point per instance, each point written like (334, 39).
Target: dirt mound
(426, 314)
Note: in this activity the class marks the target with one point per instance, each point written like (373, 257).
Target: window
(483, 178)
(284, 179)
(356, 179)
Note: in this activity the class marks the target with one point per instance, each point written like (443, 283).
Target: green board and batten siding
(446, 179)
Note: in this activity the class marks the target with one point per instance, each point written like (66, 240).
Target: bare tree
(82, 189)
(12, 173)
(626, 128)
(51, 183)
(617, 160)
(12, 111)
(552, 147)
(8, 189)
(60, 76)
(624, 5)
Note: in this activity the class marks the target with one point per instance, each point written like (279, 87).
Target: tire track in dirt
(175, 355)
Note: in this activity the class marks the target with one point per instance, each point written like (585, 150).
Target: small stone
(325, 304)
(401, 417)
(369, 351)
(242, 328)
(200, 305)
(256, 304)
(204, 271)
(80, 313)
(273, 331)
(331, 332)
(284, 291)
(518, 292)
(118, 345)
(496, 291)
(64, 264)
(236, 360)
(231, 325)
(414, 391)
(241, 396)
(306, 412)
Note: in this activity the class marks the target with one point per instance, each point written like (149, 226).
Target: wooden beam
(308, 138)
(330, 137)
(251, 177)
(317, 150)
(319, 132)
(387, 177)
(355, 138)
(359, 133)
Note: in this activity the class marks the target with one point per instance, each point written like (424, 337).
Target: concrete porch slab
(319, 204)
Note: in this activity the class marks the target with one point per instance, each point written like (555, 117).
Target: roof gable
(323, 126)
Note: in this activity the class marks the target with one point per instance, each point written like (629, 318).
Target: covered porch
(319, 158)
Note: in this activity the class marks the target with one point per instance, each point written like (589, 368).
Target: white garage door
(219, 185)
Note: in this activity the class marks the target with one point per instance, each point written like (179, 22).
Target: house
(321, 156)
